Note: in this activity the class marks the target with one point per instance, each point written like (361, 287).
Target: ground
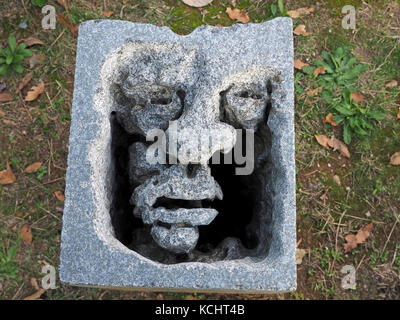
(369, 189)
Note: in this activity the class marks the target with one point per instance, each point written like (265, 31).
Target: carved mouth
(183, 213)
(173, 204)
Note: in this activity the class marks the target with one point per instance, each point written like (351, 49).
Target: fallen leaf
(5, 97)
(319, 70)
(336, 144)
(298, 64)
(36, 295)
(35, 284)
(35, 91)
(300, 253)
(300, 30)
(30, 41)
(357, 97)
(108, 13)
(59, 195)
(239, 15)
(299, 12)
(353, 240)
(2, 114)
(9, 122)
(322, 140)
(314, 92)
(7, 176)
(25, 80)
(26, 233)
(34, 167)
(398, 114)
(329, 119)
(391, 84)
(395, 159)
(71, 27)
(197, 3)
(336, 179)
(35, 59)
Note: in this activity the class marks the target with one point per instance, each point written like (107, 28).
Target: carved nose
(196, 140)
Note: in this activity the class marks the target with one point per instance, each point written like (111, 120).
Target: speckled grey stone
(90, 253)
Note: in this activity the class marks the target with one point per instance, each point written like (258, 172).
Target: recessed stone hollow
(194, 225)
(241, 228)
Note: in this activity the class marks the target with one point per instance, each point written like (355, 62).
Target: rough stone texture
(90, 253)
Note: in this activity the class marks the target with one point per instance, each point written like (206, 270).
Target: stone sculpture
(158, 83)
(133, 223)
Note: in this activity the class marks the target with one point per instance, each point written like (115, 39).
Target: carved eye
(244, 107)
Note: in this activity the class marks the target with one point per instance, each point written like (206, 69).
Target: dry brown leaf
(314, 92)
(395, 159)
(329, 119)
(299, 12)
(322, 140)
(391, 84)
(35, 284)
(25, 80)
(398, 114)
(5, 97)
(30, 41)
(319, 70)
(35, 91)
(26, 233)
(197, 3)
(71, 27)
(336, 179)
(108, 13)
(35, 59)
(336, 144)
(239, 15)
(298, 64)
(357, 97)
(301, 30)
(353, 240)
(300, 253)
(2, 113)
(7, 176)
(34, 167)
(59, 195)
(36, 295)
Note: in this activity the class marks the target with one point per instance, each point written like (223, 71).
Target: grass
(38, 131)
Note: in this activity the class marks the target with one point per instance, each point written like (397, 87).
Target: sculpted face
(165, 87)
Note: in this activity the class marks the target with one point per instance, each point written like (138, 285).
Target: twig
(391, 51)
(336, 240)
(390, 234)
(59, 36)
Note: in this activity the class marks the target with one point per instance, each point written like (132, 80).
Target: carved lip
(182, 217)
